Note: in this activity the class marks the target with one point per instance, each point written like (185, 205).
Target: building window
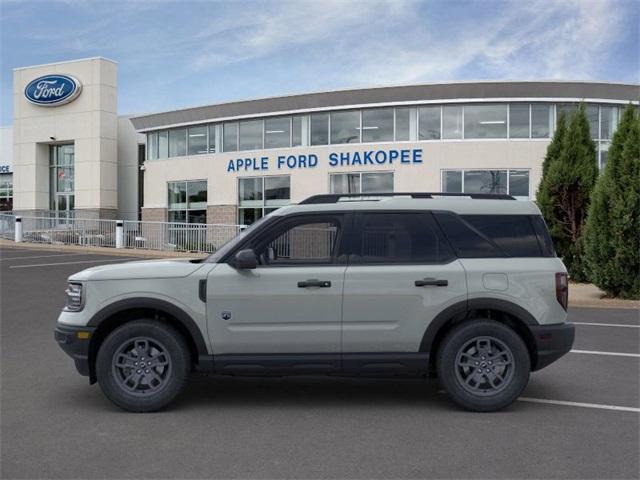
(592, 113)
(62, 176)
(6, 192)
(429, 123)
(320, 129)
(163, 144)
(485, 121)
(608, 122)
(212, 138)
(403, 124)
(296, 131)
(359, 182)
(345, 127)
(188, 201)
(152, 146)
(277, 132)
(197, 140)
(511, 182)
(230, 137)
(259, 196)
(541, 120)
(251, 135)
(178, 142)
(452, 121)
(377, 125)
(519, 120)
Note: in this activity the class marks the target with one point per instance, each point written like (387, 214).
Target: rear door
(401, 275)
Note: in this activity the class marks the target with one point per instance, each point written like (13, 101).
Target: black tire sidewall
(177, 349)
(447, 357)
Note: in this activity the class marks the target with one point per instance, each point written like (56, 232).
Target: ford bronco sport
(466, 288)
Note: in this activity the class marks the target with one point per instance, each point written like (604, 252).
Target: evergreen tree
(565, 191)
(612, 233)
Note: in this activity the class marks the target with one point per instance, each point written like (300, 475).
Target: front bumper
(75, 343)
(552, 342)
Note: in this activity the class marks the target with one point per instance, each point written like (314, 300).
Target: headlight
(75, 300)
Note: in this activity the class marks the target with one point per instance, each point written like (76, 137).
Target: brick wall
(154, 214)
(223, 214)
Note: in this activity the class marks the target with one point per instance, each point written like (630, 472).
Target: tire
(143, 365)
(483, 365)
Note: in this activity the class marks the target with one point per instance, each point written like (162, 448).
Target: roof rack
(336, 197)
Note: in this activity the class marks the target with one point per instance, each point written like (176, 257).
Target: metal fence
(164, 236)
(69, 231)
(190, 237)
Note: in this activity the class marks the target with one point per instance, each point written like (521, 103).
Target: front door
(291, 303)
(403, 273)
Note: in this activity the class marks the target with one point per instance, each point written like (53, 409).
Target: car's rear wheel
(143, 365)
(483, 365)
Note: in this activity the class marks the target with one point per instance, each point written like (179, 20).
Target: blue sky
(179, 54)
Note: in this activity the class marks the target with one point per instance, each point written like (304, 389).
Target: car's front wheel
(143, 365)
(483, 365)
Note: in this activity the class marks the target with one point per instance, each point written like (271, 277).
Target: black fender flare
(460, 310)
(156, 304)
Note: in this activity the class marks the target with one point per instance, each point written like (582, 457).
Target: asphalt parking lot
(579, 418)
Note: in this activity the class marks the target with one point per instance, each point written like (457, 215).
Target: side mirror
(245, 260)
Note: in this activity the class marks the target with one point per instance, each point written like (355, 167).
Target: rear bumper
(552, 342)
(74, 345)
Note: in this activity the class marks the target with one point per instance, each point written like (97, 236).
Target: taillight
(562, 289)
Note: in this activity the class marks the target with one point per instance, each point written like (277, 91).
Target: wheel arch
(502, 311)
(123, 311)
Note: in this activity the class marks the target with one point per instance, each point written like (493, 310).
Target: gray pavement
(54, 425)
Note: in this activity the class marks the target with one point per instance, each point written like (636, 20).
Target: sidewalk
(127, 252)
(588, 295)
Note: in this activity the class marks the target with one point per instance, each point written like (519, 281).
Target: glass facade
(6, 192)
(62, 179)
(384, 124)
(511, 182)
(259, 196)
(187, 201)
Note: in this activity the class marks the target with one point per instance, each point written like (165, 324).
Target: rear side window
(467, 241)
(400, 238)
(513, 234)
(544, 239)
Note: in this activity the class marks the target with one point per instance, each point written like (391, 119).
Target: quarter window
(514, 234)
(401, 238)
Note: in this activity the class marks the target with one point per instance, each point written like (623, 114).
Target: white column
(119, 234)
(18, 230)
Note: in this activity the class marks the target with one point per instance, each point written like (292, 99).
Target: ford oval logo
(53, 90)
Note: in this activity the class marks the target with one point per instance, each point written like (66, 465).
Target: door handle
(314, 283)
(431, 282)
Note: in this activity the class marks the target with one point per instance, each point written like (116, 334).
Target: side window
(467, 242)
(401, 238)
(514, 234)
(304, 241)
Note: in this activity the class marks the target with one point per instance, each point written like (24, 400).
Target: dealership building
(70, 152)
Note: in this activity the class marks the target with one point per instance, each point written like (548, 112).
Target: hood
(164, 268)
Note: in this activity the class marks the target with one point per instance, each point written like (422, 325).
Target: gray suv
(465, 288)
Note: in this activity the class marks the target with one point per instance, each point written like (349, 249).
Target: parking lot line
(71, 263)
(615, 354)
(41, 256)
(606, 324)
(579, 404)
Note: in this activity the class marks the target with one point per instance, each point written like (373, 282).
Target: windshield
(231, 244)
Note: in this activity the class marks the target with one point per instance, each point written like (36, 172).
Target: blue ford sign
(53, 90)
